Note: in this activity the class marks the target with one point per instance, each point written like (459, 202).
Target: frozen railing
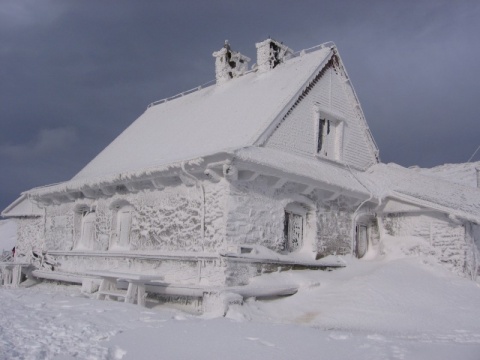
(207, 84)
(6, 256)
(211, 82)
(312, 49)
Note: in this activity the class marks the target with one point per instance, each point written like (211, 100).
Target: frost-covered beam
(277, 183)
(89, 193)
(247, 175)
(308, 190)
(213, 175)
(108, 190)
(72, 196)
(131, 187)
(158, 184)
(56, 200)
(230, 172)
(187, 181)
(334, 196)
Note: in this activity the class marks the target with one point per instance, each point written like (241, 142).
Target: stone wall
(447, 238)
(256, 216)
(334, 229)
(178, 218)
(29, 235)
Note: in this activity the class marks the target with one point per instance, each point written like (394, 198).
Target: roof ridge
(213, 82)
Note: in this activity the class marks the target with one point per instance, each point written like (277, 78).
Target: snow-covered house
(272, 166)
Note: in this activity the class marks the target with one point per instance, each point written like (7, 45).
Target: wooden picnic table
(136, 285)
(11, 273)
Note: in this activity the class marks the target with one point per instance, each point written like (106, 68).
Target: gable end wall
(329, 91)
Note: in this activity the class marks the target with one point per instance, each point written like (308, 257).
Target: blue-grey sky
(74, 74)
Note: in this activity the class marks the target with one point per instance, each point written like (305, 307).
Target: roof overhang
(22, 207)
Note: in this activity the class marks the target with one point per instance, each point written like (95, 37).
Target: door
(293, 231)
(124, 223)
(87, 237)
(362, 241)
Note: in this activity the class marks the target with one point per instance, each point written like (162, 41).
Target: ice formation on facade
(278, 170)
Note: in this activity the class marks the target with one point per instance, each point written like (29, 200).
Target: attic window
(329, 130)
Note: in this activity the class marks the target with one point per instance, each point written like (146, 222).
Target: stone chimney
(271, 53)
(477, 169)
(229, 64)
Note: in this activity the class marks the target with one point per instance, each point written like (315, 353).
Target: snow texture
(463, 174)
(211, 120)
(331, 94)
(397, 306)
(402, 183)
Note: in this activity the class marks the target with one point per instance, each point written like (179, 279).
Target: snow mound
(463, 174)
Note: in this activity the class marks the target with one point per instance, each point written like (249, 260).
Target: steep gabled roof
(407, 184)
(211, 120)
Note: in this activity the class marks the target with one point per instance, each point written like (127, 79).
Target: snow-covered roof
(219, 118)
(434, 193)
(22, 206)
(332, 175)
(463, 174)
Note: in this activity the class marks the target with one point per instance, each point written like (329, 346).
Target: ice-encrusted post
(229, 64)
(477, 169)
(271, 53)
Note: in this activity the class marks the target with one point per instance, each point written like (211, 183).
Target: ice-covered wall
(298, 132)
(173, 219)
(256, 213)
(447, 238)
(474, 238)
(176, 220)
(29, 235)
(59, 227)
(335, 228)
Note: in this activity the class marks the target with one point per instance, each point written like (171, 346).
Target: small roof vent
(229, 64)
(271, 53)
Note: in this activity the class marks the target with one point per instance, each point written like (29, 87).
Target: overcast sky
(74, 74)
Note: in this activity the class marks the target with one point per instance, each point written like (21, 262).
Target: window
(329, 136)
(122, 227)
(361, 243)
(87, 230)
(293, 227)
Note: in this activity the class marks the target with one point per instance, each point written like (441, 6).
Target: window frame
(294, 209)
(329, 124)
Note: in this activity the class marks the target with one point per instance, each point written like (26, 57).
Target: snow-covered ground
(393, 307)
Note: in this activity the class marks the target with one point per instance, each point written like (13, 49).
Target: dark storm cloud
(74, 74)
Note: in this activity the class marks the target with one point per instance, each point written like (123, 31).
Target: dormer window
(329, 134)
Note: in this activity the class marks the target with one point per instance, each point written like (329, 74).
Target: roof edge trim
(260, 140)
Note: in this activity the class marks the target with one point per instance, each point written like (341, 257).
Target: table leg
(105, 285)
(16, 275)
(131, 293)
(141, 295)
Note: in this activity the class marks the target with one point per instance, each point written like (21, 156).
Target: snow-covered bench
(11, 273)
(136, 285)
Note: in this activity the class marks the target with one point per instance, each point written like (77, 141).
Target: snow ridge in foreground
(396, 307)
